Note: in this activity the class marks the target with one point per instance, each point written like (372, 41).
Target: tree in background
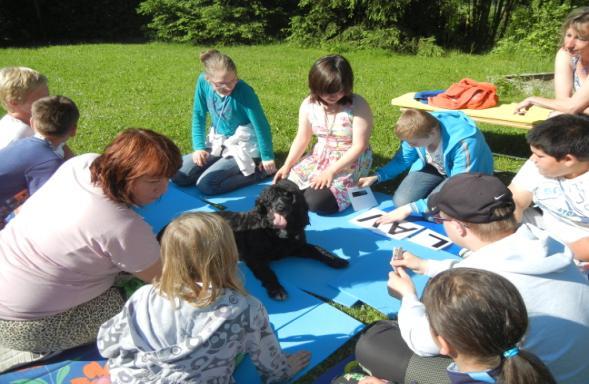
(414, 26)
(217, 21)
(536, 29)
(364, 23)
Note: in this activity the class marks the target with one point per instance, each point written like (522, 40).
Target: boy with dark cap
(478, 214)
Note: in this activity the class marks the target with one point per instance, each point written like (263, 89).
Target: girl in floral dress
(342, 122)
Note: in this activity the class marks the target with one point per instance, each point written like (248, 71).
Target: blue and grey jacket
(463, 145)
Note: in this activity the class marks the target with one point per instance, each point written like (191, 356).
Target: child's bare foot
(297, 361)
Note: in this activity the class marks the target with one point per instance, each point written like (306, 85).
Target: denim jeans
(418, 185)
(218, 175)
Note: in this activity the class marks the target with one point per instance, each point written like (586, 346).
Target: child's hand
(409, 260)
(372, 380)
(400, 284)
(282, 173)
(297, 361)
(367, 181)
(268, 166)
(396, 215)
(322, 180)
(199, 157)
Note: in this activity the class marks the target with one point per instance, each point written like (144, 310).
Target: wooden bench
(501, 115)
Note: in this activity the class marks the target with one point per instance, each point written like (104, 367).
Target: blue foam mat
(298, 321)
(365, 250)
(310, 332)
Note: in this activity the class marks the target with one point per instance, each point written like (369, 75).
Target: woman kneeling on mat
(60, 256)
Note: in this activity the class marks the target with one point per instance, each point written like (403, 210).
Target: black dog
(273, 230)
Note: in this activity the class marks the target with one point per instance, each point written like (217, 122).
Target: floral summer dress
(332, 142)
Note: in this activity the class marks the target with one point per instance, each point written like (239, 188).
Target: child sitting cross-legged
(193, 323)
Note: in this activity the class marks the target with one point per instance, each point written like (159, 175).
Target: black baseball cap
(473, 198)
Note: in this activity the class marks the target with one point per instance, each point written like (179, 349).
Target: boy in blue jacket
(434, 147)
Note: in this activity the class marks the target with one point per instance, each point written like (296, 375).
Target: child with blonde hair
(434, 147)
(195, 321)
(20, 87)
(238, 148)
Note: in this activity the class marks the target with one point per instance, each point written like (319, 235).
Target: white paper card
(431, 239)
(400, 230)
(392, 230)
(367, 219)
(361, 198)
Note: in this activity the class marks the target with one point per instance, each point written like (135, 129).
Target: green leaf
(62, 373)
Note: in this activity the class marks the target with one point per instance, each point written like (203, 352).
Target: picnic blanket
(499, 115)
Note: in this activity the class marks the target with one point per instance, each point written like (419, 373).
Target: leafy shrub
(426, 46)
(215, 21)
(360, 23)
(535, 29)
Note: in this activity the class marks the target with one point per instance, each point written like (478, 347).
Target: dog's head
(285, 199)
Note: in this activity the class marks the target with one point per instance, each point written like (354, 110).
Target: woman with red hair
(60, 255)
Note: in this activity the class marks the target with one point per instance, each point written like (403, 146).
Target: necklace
(328, 125)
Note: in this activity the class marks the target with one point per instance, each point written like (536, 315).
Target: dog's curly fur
(259, 241)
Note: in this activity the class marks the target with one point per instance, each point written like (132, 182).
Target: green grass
(151, 85)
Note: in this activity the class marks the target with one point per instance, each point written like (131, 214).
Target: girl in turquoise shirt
(238, 148)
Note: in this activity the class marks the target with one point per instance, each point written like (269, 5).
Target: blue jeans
(418, 185)
(218, 175)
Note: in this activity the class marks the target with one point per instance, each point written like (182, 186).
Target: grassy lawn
(151, 85)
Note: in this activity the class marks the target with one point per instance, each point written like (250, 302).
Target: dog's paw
(337, 262)
(277, 293)
(332, 260)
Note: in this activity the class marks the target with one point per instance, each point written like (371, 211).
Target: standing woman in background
(238, 149)
(342, 122)
(571, 67)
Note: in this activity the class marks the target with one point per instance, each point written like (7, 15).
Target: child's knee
(182, 179)
(400, 198)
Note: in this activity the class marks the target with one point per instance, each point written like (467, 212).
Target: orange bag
(466, 94)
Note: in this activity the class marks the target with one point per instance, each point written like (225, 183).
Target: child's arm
(300, 143)
(257, 117)
(403, 159)
(413, 322)
(263, 347)
(199, 114)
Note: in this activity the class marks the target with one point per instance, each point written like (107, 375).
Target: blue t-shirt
(457, 377)
(25, 165)
(241, 107)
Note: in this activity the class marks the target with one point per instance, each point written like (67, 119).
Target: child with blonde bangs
(20, 87)
(193, 323)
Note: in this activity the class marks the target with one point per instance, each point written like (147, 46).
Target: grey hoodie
(150, 341)
(555, 292)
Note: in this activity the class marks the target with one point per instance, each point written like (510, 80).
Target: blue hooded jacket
(463, 146)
